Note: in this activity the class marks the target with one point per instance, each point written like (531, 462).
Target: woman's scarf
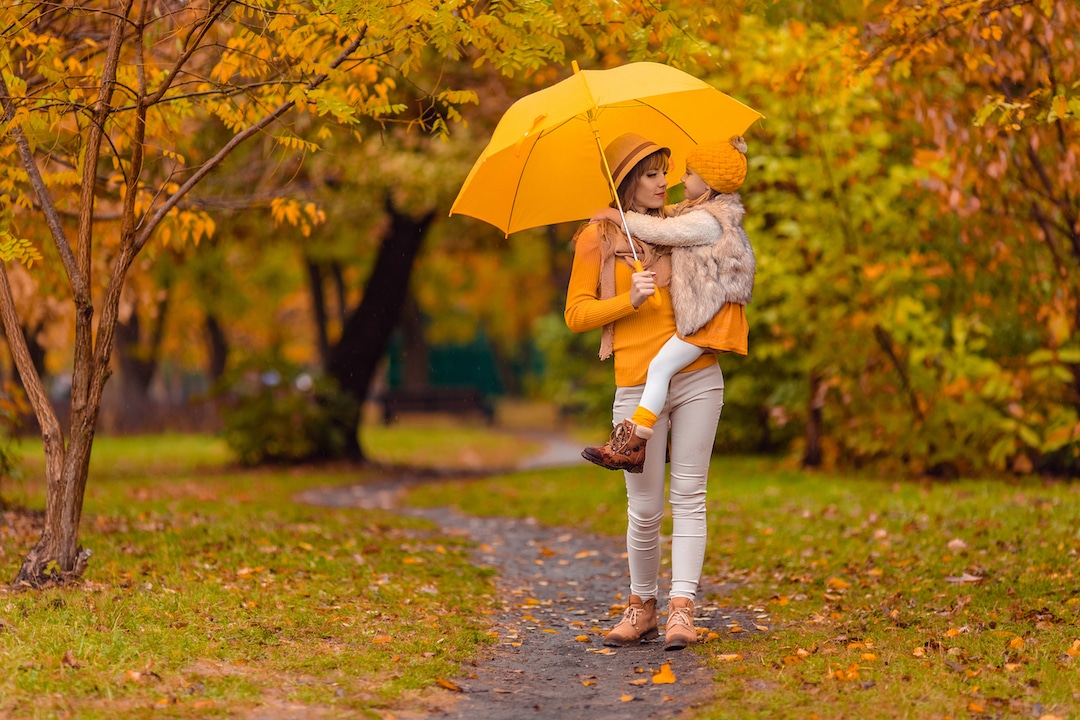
(614, 247)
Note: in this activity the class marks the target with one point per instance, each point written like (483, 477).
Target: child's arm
(692, 228)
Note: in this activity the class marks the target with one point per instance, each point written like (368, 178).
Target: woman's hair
(656, 161)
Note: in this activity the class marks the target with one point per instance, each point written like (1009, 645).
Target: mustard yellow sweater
(639, 334)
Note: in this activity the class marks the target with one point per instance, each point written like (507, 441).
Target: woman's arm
(692, 228)
(584, 309)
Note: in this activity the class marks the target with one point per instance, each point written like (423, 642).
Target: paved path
(557, 588)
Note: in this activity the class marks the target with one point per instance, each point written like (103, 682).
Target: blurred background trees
(912, 201)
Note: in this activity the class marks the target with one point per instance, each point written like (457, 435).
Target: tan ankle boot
(638, 623)
(625, 450)
(680, 630)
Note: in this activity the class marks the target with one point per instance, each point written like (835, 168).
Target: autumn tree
(994, 88)
(94, 98)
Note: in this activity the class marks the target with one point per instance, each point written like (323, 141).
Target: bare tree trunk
(814, 431)
(217, 348)
(318, 306)
(366, 333)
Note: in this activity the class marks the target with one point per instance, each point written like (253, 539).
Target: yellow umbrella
(545, 162)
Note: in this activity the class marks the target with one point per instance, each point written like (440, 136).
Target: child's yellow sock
(643, 418)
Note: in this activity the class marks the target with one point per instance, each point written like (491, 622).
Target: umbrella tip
(573, 64)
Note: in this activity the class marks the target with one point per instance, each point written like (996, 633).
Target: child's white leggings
(673, 357)
(693, 409)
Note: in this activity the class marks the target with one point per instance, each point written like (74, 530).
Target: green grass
(211, 592)
(860, 584)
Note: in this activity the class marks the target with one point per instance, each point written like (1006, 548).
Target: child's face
(693, 186)
(651, 191)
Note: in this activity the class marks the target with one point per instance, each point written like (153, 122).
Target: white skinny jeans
(695, 400)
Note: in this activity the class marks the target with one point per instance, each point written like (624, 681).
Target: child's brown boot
(680, 630)
(638, 623)
(625, 450)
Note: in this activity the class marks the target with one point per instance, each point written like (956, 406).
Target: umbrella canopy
(544, 163)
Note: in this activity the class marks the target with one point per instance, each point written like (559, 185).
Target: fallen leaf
(965, 578)
(588, 683)
(729, 657)
(379, 639)
(835, 583)
(919, 652)
(69, 660)
(779, 600)
(869, 657)
(665, 676)
(1017, 643)
(582, 638)
(627, 698)
(639, 681)
(975, 707)
(448, 685)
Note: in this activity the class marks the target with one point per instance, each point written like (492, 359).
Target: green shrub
(279, 414)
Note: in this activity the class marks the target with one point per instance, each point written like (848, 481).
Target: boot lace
(681, 616)
(621, 437)
(631, 615)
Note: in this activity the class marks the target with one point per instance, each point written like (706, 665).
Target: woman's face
(651, 191)
(693, 186)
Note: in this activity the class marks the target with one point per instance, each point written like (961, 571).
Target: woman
(605, 292)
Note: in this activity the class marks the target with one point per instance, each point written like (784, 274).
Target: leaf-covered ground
(212, 593)
(885, 598)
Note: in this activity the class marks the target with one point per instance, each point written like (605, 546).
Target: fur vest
(712, 262)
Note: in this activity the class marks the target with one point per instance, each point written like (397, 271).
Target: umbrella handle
(655, 297)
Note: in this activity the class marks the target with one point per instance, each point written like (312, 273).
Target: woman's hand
(642, 287)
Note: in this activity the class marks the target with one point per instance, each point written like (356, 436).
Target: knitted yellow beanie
(721, 164)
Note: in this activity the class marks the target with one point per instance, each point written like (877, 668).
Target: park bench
(450, 400)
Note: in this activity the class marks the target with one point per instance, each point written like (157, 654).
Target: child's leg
(673, 357)
(626, 448)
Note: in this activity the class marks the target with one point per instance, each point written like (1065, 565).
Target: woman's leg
(695, 402)
(644, 502)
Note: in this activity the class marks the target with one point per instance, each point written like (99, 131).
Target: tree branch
(52, 217)
(147, 229)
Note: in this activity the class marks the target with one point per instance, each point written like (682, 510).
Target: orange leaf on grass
(665, 676)
(379, 639)
(448, 685)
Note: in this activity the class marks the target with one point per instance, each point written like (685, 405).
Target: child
(712, 279)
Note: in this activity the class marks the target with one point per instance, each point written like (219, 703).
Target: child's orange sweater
(639, 334)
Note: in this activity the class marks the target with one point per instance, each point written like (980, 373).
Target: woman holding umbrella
(606, 292)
